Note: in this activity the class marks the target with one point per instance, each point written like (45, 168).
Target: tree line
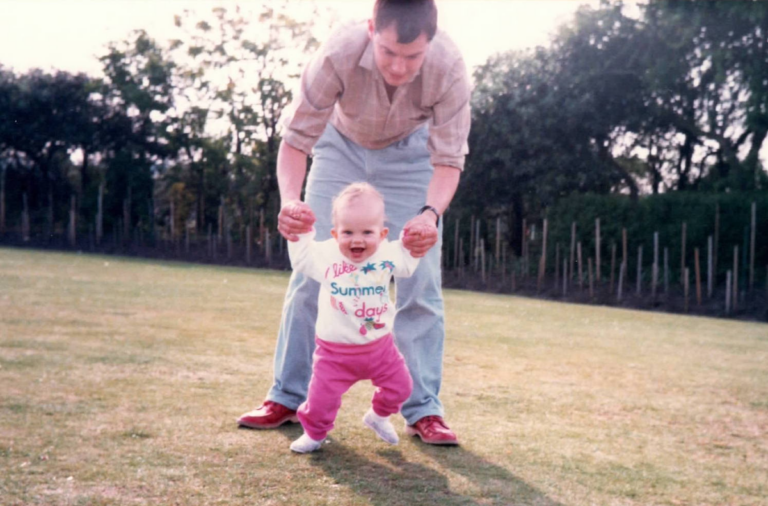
(181, 137)
(670, 96)
(183, 132)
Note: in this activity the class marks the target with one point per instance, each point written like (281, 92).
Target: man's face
(398, 63)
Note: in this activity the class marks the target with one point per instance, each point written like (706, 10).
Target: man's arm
(442, 187)
(295, 216)
(440, 192)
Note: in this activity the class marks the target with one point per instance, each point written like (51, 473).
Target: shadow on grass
(398, 482)
(496, 484)
(401, 482)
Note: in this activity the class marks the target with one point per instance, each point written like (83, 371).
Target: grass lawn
(121, 380)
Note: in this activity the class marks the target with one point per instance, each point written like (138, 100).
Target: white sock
(381, 426)
(306, 444)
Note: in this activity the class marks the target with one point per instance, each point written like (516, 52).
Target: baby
(355, 315)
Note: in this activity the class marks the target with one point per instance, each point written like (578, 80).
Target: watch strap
(430, 208)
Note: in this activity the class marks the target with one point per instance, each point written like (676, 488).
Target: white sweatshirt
(354, 306)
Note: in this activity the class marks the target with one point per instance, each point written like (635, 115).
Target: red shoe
(269, 415)
(433, 430)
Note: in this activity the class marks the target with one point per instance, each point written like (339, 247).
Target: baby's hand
(295, 217)
(415, 232)
(419, 235)
(295, 211)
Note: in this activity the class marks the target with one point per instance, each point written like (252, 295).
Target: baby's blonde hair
(353, 192)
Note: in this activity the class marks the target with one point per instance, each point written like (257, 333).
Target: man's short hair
(411, 18)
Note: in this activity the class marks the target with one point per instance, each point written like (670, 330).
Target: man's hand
(295, 217)
(420, 234)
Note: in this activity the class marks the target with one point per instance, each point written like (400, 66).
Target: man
(388, 104)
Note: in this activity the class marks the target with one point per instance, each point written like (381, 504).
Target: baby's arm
(304, 256)
(408, 263)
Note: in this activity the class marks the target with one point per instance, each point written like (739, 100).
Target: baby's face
(359, 229)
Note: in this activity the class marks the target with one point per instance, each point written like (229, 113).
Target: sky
(70, 34)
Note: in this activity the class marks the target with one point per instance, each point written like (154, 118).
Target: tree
(138, 95)
(233, 80)
(727, 63)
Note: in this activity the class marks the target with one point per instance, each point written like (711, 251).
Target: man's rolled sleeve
(305, 119)
(449, 130)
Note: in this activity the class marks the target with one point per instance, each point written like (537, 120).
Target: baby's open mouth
(357, 251)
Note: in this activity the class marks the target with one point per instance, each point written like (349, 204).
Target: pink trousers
(338, 366)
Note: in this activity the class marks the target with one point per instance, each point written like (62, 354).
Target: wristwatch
(430, 208)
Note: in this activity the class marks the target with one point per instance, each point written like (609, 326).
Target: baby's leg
(392, 381)
(393, 386)
(329, 382)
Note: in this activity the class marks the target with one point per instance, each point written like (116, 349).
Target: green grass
(121, 380)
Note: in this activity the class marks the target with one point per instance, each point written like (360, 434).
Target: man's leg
(336, 163)
(402, 173)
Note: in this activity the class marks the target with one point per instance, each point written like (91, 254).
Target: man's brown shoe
(432, 430)
(269, 415)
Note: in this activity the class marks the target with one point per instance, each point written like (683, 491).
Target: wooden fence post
(100, 215)
(682, 249)
(472, 246)
(735, 290)
(655, 267)
(173, 222)
(25, 219)
(456, 255)
(698, 276)
(49, 222)
(639, 268)
(752, 248)
(717, 239)
(248, 244)
(2, 201)
(573, 248)
(591, 279)
(498, 241)
(624, 258)
(565, 276)
(228, 230)
(613, 265)
(261, 230)
(267, 247)
(220, 231)
(476, 244)
(709, 268)
(210, 242)
(622, 271)
(543, 258)
(127, 217)
(72, 221)
(597, 250)
(524, 273)
(579, 262)
(728, 292)
(482, 259)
